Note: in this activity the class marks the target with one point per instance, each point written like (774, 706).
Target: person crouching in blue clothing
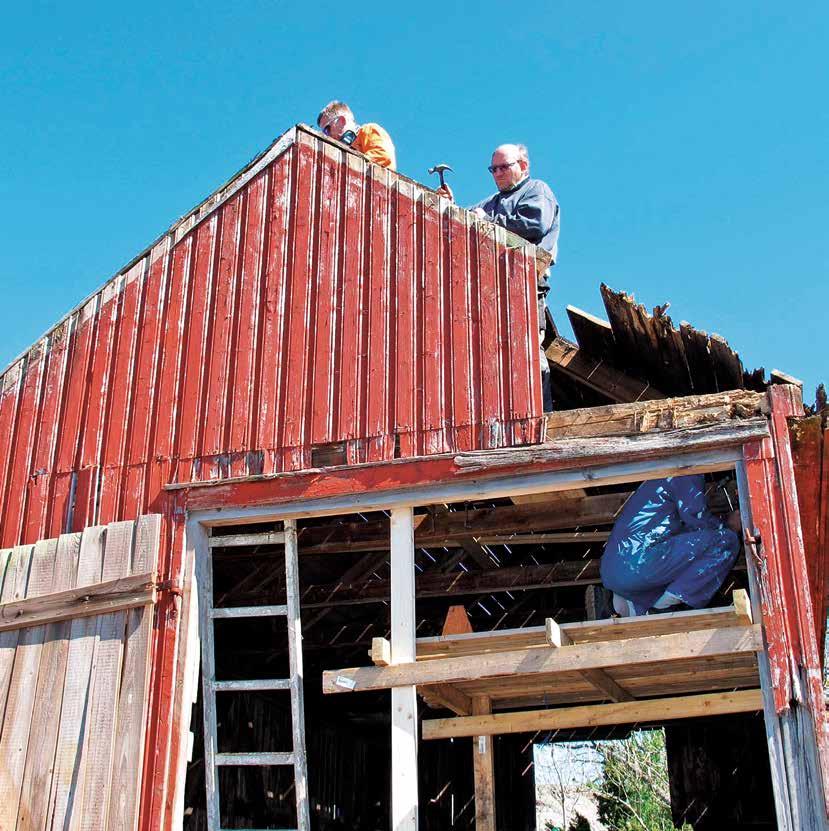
(667, 551)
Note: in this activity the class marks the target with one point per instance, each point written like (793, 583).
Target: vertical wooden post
(297, 689)
(484, 768)
(403, 699)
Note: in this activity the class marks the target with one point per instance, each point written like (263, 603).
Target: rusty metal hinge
(169, 586)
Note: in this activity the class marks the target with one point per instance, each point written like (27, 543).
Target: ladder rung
(250, 611)
(255, 759)
(252, 686)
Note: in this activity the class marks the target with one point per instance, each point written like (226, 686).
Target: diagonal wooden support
(556, 637)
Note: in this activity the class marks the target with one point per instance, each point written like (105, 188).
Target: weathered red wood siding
(314, 299)
(325, 301)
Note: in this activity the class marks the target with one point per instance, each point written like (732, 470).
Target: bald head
(510, 165)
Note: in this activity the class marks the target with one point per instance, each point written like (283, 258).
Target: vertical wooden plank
(22, 450)
(147, 369)
(16, 576)
(463, 371)
(49, 418)
(133, 695)
(376, 309)
(489, 300)
(349, 366)
(405, 324)
(118, 420)
(40, 759)
(321, 383)
(404, 798)
(484, 770)
(244, 353)
(76, 392)
(197, 548)
(271, 356)
(298, 299)
(774, 738)
(68, 776)
(297, 677)
(10, 387)
(99, 740)
(218, 353)
(432, 358)
(195, 343)
(17, 719)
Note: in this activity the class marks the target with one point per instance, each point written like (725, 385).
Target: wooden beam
(484, 770)
(598, 375)
(85, 601)
(404, 798)
(239, 540)
(594, 715)
(556, 575)
(681, 413)
(447, 696)
(530, 662)
(597, 677)
(667, 446)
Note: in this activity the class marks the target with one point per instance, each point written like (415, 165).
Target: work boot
(598, 603)
(678, 607)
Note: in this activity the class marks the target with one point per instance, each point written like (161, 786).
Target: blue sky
(687, 142)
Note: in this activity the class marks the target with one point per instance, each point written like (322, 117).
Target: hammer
(439, 169)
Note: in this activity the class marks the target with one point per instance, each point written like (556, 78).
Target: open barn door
(76, 617)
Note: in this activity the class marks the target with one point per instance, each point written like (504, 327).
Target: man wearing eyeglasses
(529, 208)
(337, 121)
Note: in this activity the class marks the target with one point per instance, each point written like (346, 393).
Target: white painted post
(403, 699)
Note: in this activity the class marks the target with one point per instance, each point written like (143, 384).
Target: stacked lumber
(76, 617)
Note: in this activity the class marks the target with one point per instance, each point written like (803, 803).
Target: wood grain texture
(17, 718)
(133, 696)
(40, 760)
(99, 741)
(627, 712)
(68, 777)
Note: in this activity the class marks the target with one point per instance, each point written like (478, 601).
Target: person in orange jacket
(337, 121)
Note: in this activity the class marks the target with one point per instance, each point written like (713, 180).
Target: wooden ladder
(213, 759)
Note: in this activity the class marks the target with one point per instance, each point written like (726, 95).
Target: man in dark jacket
(529, 208)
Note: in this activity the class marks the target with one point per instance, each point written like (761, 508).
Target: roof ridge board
(275, 149)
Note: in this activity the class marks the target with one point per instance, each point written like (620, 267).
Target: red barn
(313, 402)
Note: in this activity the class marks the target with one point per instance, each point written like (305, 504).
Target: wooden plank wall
(74, 692)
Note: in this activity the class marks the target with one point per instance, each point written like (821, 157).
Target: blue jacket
(530, 210)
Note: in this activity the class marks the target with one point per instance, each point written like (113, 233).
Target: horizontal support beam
(530, 662)
(686, 412)
(557, 575)
(595, 715)
(665, 446)
(85, 601)
(426, 481)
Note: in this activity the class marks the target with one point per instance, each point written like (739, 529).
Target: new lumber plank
(37, 778)
(597, 677)
(627, 712)
(84, 601)
(656, 416)
(611, 629)
(70, 768)
(598, 375)
(483, 767)
(529, 662)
